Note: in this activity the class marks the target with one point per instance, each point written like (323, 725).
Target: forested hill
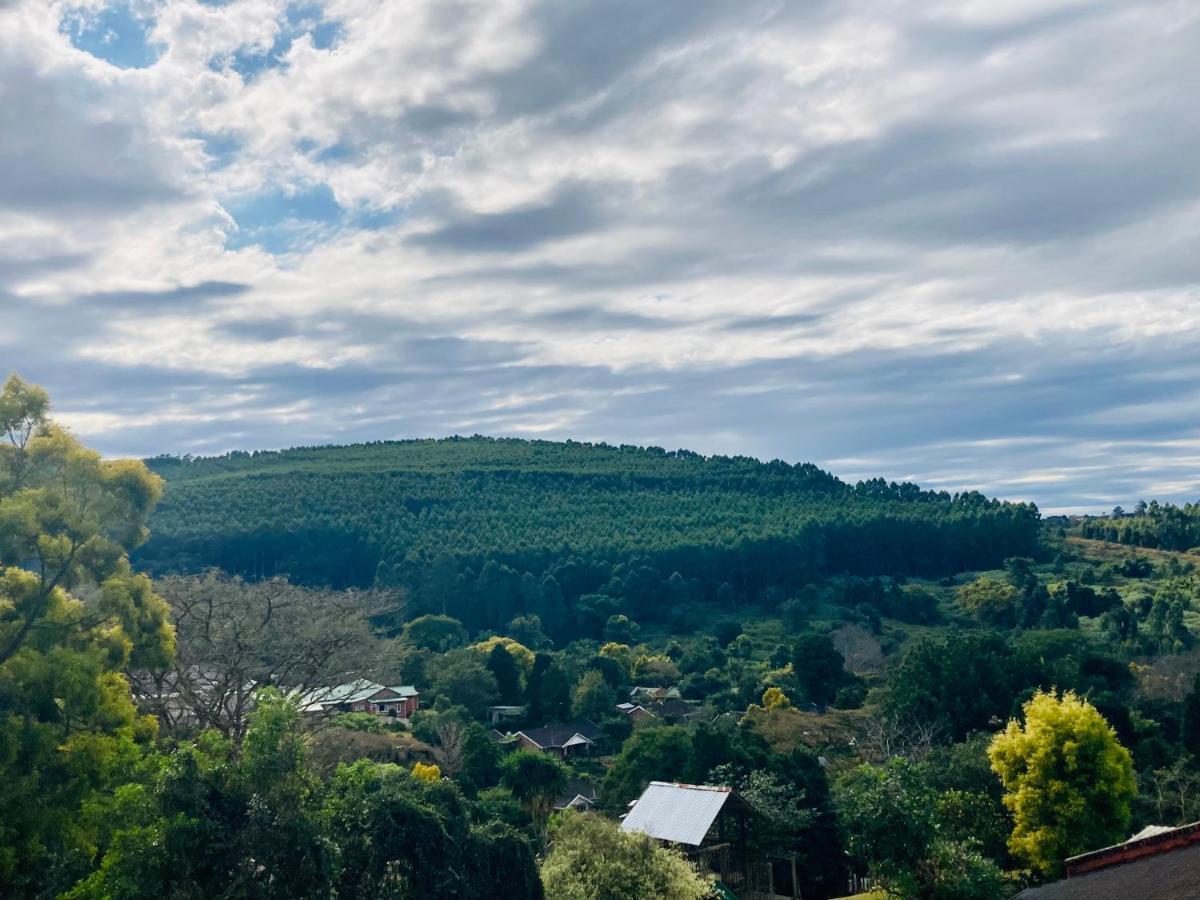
(429, 514)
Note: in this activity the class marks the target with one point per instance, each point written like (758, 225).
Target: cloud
(948, 241)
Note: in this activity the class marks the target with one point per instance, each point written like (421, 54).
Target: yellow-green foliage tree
(1067, 780)
(73, 616)
(521, 654)
(590, 857)
(427, 771)
(988, 598)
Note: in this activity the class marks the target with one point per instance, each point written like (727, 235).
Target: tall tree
(73, 614)
(1067, 780)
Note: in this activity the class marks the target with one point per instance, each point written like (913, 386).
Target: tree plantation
(450, 668)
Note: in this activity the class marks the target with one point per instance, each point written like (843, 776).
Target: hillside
(392, 513)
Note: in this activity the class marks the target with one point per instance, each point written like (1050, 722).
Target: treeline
(1160, 525)
(535, 519)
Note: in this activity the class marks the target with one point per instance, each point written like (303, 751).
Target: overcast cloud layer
(954, 241)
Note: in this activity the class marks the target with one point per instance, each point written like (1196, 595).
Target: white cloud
(600, 209)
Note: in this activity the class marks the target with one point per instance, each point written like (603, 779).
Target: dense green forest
(1159, 525)
(484, 528)
(893, 680)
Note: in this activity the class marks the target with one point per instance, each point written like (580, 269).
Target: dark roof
(672, 708)
(576, 787)
(1162, 866)
(557, 735)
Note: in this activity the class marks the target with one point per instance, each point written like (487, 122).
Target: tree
(1068, 782)
(73, 615)
(962, 680)
(463, 679)
(236, 636)
(508, 676)
(435, 632)
(655, 671)
(657, 753)
(890, 816)
(591, 857)
(528, 630)
(989, 599)
(621, 629)
(535, 779)
(593, 698)
(426, 772)
(818, 667)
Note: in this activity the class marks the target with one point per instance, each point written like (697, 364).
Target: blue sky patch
(116, 34)
(280, 222)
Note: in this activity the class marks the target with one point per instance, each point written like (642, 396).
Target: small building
(579, 795)
(1157, 863)
(711, 824)
(498, 714)
(566, 739)
(672, 710)
(363, 696)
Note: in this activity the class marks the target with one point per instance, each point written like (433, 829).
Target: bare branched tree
(451, 745)
(889, 737)
(234, 636)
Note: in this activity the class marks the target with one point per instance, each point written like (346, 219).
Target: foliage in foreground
(591, 858)
(1068, 781)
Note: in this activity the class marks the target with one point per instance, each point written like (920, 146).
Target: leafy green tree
(73, 615)
(1068, 781)
(528, 630)
(462, 678)
(818, 667)
(592, 697)
(506, 672)
(548, 690)
(1165, 623)
(591, 857)
(621, 629)
(655, 670)
(961, 680)
(890, 816)
(435, 632)
(990, 599)
(657, 753)
(535, 779)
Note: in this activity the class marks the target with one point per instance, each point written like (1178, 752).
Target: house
(671, 710)
(579, 794)
(711, 824)
(635, 712)
(565, 739)
(1157, 863)
(362, 696)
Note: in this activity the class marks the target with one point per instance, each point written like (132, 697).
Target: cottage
(579, 795)
(672, 711)
(362, 696)
(1157, 863)
(566, 739)
(711, 824)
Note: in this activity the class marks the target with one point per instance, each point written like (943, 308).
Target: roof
(351, 692)
(566, 734)
(1157, 863)
(576, 789)
(681, 813)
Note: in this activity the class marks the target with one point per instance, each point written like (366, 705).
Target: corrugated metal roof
(682, 813)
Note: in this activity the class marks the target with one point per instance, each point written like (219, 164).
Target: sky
(953, 241)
